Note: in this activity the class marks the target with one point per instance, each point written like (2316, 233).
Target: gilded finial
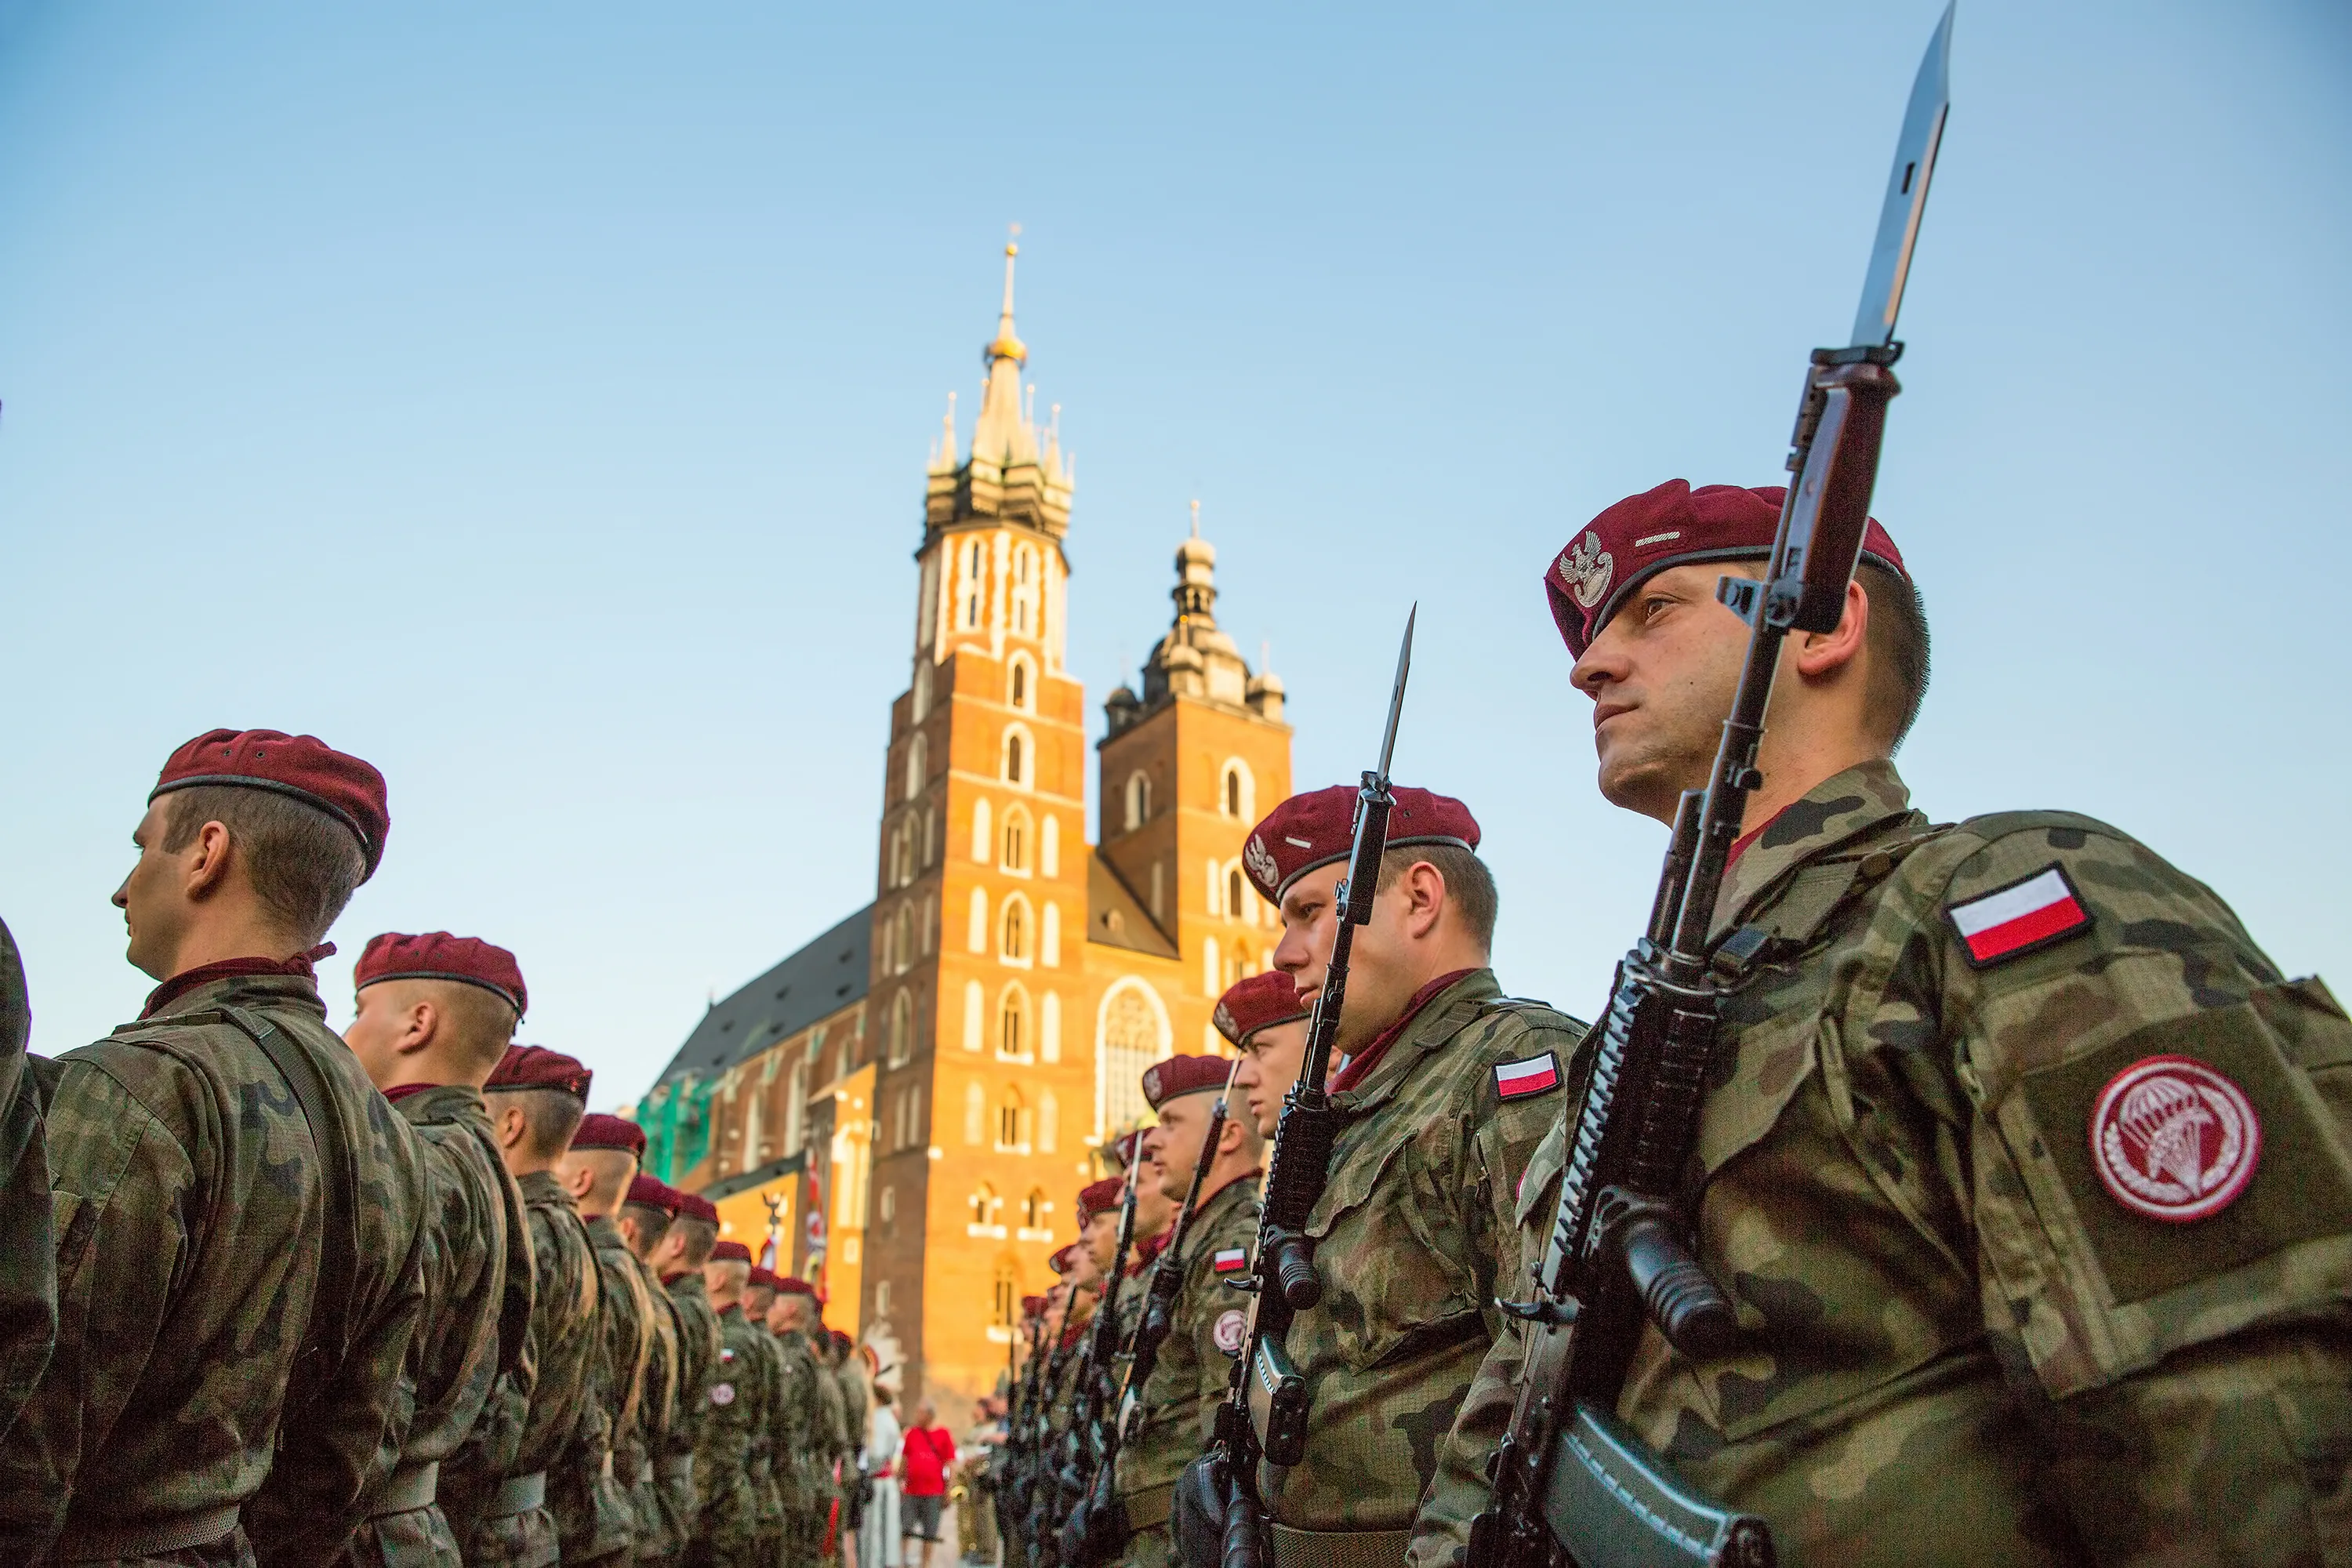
(1007, 345)
(1196, 520)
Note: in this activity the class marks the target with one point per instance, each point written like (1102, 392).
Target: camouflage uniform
(698, 1358)
(766, 1457)
(505, 1461)
(28, 1254)
(736, 1407)
(1965, 1349)
(1414, 1234)
(1176, 1412)
(661, 1526)
(595, 1513)
(798, 1432)
(479, 1289)
(193, 1227)
(833, 1447)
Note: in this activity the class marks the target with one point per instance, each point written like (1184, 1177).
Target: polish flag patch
(1230, 1260)
(2021, 917)
(1536, 1075)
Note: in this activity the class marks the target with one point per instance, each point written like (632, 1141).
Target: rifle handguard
(1681, 1297)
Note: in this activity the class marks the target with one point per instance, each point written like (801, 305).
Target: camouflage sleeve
(1498, 1166)
(2162, 1190)
(28, 1282)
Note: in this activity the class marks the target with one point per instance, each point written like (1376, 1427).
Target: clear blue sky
(533, 399)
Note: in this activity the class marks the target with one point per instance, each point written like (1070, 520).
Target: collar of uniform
(1826, 816)
(436, 1104)
(606, 1235)
(1244, 1182)
(541, 1187)
(688, 1283)
(250, 982)
(1392, 1057)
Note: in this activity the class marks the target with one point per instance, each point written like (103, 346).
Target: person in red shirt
(926, 1455)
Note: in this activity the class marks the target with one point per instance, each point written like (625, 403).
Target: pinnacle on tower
(1004, 434)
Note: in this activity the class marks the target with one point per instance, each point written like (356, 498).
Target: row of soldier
(389, 1298)
(2028, 1172)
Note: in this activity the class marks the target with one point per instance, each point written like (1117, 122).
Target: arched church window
(902, 1029)
(1012, 1024)
(1020, 685)
(1025, 591)
(1138, 800)
(968, 616)
(984, 1202)
(917, 766)
(1238, 791)
(1236, 895)
(902, 940)
(1016, 760)
(1011, 1123)
(1012, 944)
(1017, 840)
(1002, 1304)
(1035, 1209)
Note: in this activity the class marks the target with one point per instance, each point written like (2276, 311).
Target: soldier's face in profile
(1269, 1066)
(1309, 920)
(1154, 1205)
(1176, 1142)
(1661, 676)
(150, 897)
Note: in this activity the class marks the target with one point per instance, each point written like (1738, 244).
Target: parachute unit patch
(2174, 1140)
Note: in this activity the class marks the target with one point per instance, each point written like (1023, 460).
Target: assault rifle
(1265, 1414)
(1084, 1443)
(1099, 1527)
(1571, 1481)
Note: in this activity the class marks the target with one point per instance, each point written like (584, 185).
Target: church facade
(906, 1108)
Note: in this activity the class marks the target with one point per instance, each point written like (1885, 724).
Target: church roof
(1116, 917)
(824, 977)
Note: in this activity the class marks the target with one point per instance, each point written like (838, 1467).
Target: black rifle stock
(1570, 1482)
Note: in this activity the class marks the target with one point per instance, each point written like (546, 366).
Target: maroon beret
(1127, 1145)
(841, 1336)
(1178, 1076)
(536, 1067)
(1310, 830)
(301, 766)
(1260, 1002)
(731, 1252)
(793, 1285)
(1673, 525)
(598, 1130)
(648, 1192)
(1099, 1197)
(1033, 1306)
(1065, 1260)
(762, 1278)
(438, 955)
(694, 1205)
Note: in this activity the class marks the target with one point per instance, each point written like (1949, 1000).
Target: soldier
(1447, 1087)
(768, 1457)
(2026, 1169)
(593, 1487)
(832, 1437)
(849, 1375)
(239, 1215)
(28, 1257)
(729, 1533)
(1155, 1215)
(434, 1014)
(663, 1494)
(1266, 1022)
(679, 1261)
(495, 1489)
(1176, 1411)
(804, 1443)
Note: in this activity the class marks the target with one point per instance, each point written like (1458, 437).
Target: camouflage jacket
(28, 1255)
(660, 1507)
(478, 1292)
(533, 1410)
(586, 1488)
(761, 1456)
(854, 1402)
(735, 1409)
(1912, 1175)
(1176, 1412)
(793, 1426)
(831, 1439)
(698, 1362)
(1414, 1235)
(192, 1219)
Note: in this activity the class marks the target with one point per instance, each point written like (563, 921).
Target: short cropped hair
(695, 1238)
(652, 1224)
(551, 1116)
(482, 1023)
(303, 863)
(1898, 644)
(1469, 886)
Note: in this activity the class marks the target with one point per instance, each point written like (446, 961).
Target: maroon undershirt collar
(180, 985)
(1359, 1065)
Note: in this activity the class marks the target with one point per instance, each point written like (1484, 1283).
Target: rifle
(1084, 1437)
(1099, 1527)
(1265, 1414)
(1569, 1479)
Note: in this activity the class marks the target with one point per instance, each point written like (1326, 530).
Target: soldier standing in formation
(1266, 1022)
(433, 1016)
(729, 1533)
(28, 1272)
(189, 1158)
(645, 1220)
(804, 1445)
(2028, 1170)
(849, 1376)
(679, 1261)
(766, 1458)
(593, 1487)
(1176, 1409)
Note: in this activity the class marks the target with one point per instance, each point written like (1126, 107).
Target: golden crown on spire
(1008, 346)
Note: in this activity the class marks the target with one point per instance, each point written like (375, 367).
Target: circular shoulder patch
(1232, 1330)
(2174, 1140)
(722, 1393)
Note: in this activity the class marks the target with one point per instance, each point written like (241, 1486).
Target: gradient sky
(533, 399)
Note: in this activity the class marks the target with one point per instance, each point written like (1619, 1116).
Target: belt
(98, 1543)
(674, 1466)
(1339, 1548)
(517, 1494)
(412, 1486)
(1147, 1510)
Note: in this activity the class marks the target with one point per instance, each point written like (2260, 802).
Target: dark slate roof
(1116, 917)
(822, 977)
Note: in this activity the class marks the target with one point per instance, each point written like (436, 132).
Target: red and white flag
(1231, 1260)
(2022, 916)
(1536, 1075)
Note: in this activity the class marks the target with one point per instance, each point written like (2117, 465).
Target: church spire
(1004, 434)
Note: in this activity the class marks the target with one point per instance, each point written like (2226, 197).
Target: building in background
(908, 1105)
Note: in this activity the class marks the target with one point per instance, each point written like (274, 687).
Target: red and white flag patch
(1536, 1075)
(1230, 1260)
(2019, 918)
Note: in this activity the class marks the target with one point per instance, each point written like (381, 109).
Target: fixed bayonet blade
(1906, 193)
(1396, 698)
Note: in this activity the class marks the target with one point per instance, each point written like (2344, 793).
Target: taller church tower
(979, 916)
